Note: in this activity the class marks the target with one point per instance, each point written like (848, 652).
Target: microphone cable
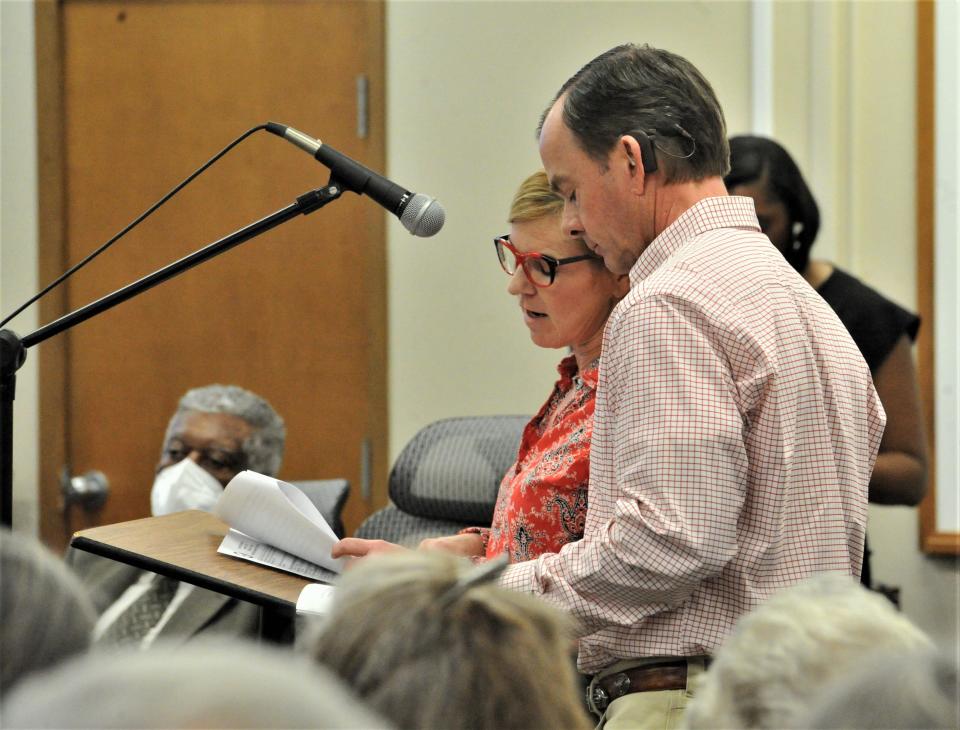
(139, 219)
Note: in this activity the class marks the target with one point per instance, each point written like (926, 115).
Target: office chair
(446, 478)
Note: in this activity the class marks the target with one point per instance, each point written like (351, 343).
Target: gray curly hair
(264, 447)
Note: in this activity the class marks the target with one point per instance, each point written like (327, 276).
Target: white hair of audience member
(917, 690)
(46, 614)
(204, 684)
(788, 650)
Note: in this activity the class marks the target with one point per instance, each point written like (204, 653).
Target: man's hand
(469, 545)
(357, 547)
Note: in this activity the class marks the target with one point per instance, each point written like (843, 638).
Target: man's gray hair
(264, 448)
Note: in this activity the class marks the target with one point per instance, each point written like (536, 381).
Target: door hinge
(363, 95)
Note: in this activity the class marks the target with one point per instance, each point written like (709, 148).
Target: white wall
(467, 82)
(18, 234)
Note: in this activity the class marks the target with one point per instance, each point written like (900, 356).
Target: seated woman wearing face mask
(565, 295)
(216, 432)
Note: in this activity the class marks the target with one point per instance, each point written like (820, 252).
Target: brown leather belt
(646, 678)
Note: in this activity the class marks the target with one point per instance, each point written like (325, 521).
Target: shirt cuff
(521, 577)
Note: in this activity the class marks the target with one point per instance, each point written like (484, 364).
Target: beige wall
(467, 82)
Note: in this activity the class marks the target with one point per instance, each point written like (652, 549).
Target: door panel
(150, 90)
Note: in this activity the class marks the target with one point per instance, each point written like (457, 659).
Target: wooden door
(133, 97)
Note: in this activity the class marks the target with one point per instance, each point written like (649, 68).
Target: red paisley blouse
(542, 502)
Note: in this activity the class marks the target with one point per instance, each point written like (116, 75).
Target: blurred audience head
(788, 214)
(427, 644)
(201, 685)
(915, 690)
(788, 650)
(45, 612)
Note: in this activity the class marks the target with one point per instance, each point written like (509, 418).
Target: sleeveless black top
(875, 324)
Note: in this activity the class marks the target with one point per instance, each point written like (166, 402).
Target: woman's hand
(469, 544)
(357, 547)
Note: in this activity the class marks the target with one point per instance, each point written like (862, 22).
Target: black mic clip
(316, 199)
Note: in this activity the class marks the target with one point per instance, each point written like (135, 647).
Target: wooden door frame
(52, 261)
(932, 540)
(53, 356)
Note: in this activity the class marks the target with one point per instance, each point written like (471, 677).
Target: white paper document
(237, 545)
(276, 515)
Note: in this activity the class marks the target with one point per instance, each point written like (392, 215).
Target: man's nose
(570, 222)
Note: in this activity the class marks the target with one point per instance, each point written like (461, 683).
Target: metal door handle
(89, 490)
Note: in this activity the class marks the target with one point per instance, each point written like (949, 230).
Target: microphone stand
(13, 349)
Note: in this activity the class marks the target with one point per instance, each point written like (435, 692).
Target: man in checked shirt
(736, 422)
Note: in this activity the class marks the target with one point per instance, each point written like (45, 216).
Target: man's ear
(632, 153)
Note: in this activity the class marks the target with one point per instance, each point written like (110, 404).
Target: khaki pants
(649, 710)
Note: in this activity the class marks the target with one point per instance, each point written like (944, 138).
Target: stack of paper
(274, 523)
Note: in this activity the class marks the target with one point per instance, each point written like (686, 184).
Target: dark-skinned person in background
(763, 170)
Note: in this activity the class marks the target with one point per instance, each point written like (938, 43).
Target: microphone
(420, 214)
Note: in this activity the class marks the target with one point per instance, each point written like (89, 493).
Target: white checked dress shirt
(736, 428)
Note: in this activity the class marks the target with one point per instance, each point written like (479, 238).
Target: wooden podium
(184, 545)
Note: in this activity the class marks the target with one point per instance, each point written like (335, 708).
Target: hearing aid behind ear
(646, 151)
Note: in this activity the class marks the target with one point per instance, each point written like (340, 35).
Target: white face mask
(183, 486)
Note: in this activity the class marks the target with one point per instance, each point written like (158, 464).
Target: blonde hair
(535, 199)
(426, 656)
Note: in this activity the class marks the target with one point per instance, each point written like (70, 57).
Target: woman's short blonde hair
(535, 199)
(425, 656)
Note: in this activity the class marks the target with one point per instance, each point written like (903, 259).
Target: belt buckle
(600, 698)
(597, 698)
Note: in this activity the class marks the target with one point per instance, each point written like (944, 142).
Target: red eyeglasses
(539, 268)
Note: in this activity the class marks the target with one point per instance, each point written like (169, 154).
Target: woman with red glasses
(565, 295)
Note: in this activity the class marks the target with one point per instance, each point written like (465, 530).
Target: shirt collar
(568, 370)
(728, 211)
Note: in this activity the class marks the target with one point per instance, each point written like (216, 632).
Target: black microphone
(420, 214)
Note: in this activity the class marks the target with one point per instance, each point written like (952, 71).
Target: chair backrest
(447, 477)
(328, 496)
